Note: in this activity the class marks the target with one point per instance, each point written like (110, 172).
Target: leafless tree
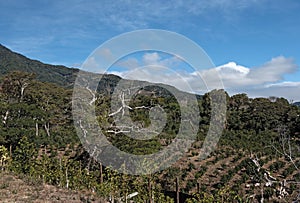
(285, 149)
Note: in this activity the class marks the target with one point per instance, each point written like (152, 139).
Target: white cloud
(284, 84)
(91, 65)
(288, 92)
(264, 80)
(128, 15)
(151, 58)
(159, 68)
(234, 75)
(130, 63)
(273, 70)
(234, 68)
(105, 53)
(155, 59)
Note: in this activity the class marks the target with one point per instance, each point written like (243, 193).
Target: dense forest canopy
(258, 150)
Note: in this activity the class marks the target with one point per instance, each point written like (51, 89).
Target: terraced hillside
(245, 175)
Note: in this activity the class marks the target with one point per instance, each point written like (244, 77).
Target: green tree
(4, 158)
(24, 157)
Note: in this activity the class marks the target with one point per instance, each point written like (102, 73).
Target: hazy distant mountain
(297, 104)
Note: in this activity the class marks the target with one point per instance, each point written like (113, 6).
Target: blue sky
(259, 35)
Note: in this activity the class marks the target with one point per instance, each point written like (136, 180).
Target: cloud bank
(261, 81)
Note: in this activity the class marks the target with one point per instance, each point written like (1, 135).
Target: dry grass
(17, 190)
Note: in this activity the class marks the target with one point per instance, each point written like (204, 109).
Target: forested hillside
(11, 61)
(257, 158)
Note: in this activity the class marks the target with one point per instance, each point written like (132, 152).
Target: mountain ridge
(58, 74)
(62, 75)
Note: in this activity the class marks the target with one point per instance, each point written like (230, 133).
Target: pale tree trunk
(47, 128)
(23, 87)
(67, 180)
(5, 117)
(22, 93)
(36, 129)
(262, 194)
(112, 199)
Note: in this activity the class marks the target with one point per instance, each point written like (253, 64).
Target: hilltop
(11, 61)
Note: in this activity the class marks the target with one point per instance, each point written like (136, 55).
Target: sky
(254, 44)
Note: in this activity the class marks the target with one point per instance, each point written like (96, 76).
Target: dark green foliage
(276, 166)
(39, 111)
(10, 61)
(200, 172)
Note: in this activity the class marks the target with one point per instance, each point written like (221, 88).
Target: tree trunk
(10, 151)
(67, 180)
(23, 87)
(36, 129)
(22, 93)
(60, 173)
(177, 190)
(89, 165)
(101, 174)
(262, 194)
(198, 188)
(80, 167)
(112, 199)
(47, 128)
(5, 117)
(150, 191)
